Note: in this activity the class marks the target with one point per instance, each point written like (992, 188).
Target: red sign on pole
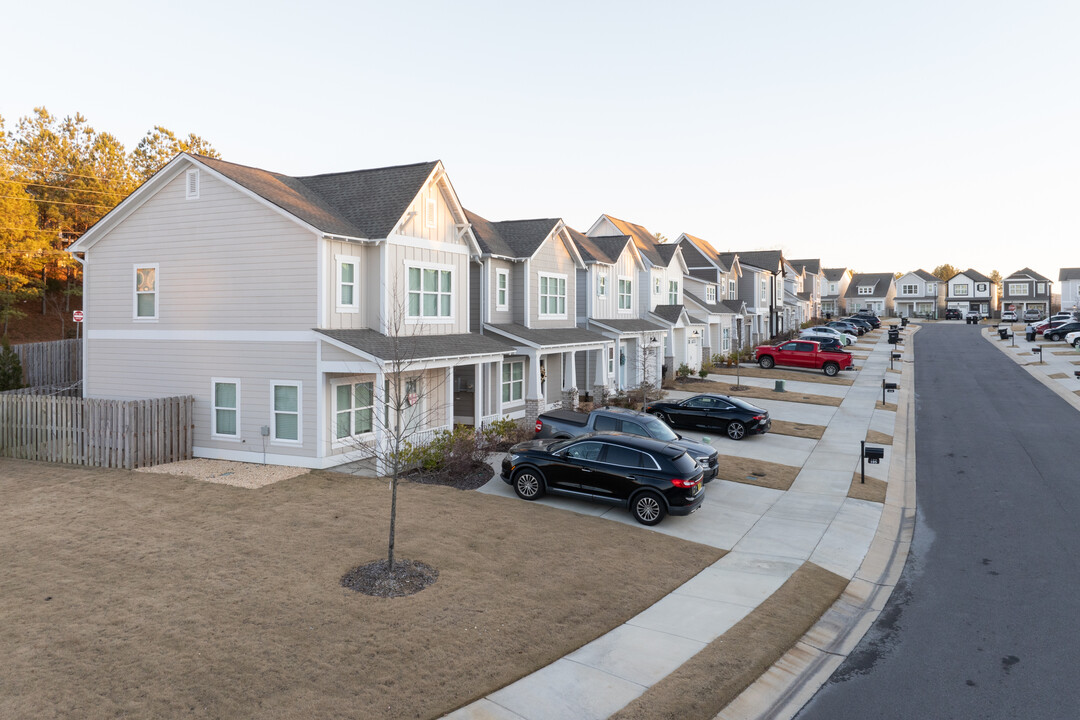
(77, 316)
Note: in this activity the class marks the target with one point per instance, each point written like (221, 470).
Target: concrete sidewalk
(769, 534)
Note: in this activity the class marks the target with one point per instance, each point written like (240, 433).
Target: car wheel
(1076, 343)
(528, 484)
(766, 362)
(648, 508)
(831, 369)
(1053, 337)
(736, 430)
(660, 416)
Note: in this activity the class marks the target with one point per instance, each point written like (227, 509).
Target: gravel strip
(228, 472)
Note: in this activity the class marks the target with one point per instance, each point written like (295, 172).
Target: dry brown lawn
(1057, 376)
(885, 406)
(709, 386)
(785, 374)
(140, 595)
(878, 438)
(872, 490)
(709, 681)
(756, 472)
(1063, 352)
(803, 430)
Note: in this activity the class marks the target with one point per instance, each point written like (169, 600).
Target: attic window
(866, 289)
(191, 185)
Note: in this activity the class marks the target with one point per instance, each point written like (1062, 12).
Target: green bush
(684, 371)
(11, 370)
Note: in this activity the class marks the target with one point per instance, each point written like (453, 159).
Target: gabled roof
(708, 251)
(644, 240)
(719, 307)
(811, 266)
(417, 347)
(359, 203)
(879, 281)
(667, 251)
(1069, 274)
(922, 274)
(973, 275)
(516, 239)
(600, 249)
(669, 313)
(770, 260)
(834, 274)
(1029, 273)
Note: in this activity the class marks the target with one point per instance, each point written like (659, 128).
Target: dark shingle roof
(765, 259)
(510, 238)
(600, 249)
(417, 347)
(879, 281)
(706, 249)
(974, 275)
(548, 336)
(628, 325)
(834, 274)
(670, 313)
(667, 251)
(1069, 274)
(929, 277)
(810, 266)
(1030, 273)
(361, 203)
(644, 240)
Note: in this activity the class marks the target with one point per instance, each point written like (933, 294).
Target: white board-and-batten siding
(224, 260)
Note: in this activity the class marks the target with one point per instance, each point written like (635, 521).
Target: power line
(58, 187)
(56, 202)
(54, 233)
(61, 172)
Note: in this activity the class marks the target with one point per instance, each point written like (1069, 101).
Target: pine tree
(11, 371)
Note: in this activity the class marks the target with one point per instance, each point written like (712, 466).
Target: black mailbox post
(893, 356)
(887, 386)
(1037, 350)
(873, 454)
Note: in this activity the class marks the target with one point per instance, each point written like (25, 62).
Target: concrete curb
(794, 679)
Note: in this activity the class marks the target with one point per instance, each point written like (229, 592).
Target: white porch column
(478, 393)
(448, 393)
(570, 392)
(379, 421)
(534, 398)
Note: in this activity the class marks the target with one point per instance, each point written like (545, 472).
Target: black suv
(649, 477)
(953, 314)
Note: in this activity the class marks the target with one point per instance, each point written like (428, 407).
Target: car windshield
(659, 430)
(559, 445)
(742, 404)
(684, 464)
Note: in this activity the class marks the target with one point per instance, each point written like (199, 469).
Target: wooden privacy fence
(103, 433)
(51, 363)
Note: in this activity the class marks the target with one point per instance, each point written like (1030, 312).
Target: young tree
(944, 272)
(11, 371)
(160, 145)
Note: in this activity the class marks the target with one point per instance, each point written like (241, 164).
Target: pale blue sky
(879, 136)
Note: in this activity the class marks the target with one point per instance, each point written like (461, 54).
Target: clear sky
(877, 136)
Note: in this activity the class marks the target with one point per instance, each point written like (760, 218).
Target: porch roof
(544, 337)
(629, 325)
(417, 347)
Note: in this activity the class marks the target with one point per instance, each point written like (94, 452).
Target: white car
(1061, 316)
(1008, 316)
(1073, 339)
(826, 330)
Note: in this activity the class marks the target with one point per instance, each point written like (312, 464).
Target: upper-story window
(625, 296)
(909, 289)
(601, 283)
(961, 289)
(866, 289)
(146, 287)
(1016, 289)
(430, 292)
(673, 292)
(552, 295)
(981, 288)
(656, 286)
(764, 292)
(931, 288)
(833, 289)
(348, 275)
(502, 289)
(1040, 288)
(710, 293)
(732, 291)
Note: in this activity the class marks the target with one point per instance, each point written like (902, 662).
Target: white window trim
(499, 273)
(351, 440)
(673, 292)
(432, 319)
(866, 289)
(710, 293)
(274, 440)
(191, 184)
(1040, 289)
(619, 294)
(214, 382)
(981, 288)
(601, 283)
(135, 292)
(656, 285)
(565, 296)
(733, 290)
(354, 307)
(511, 382)
(909, 289)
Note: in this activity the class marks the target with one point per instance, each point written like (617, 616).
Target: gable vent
(192, 184)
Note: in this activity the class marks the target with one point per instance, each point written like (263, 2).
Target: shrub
(501, 434)
(11, 370)
(683, 371)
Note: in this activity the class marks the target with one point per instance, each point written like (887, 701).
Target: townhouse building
(711, 292)
(971, 290)
(812, 285)
(1026, 289)
(762, 288)
(834, 289)
(870, 291)
(919, 294)
(307, 315)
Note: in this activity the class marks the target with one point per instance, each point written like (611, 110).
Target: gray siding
(554, 258)
(513, 292)
(476, 289)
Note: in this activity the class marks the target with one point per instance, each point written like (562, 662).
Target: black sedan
(735, 417)
(871, 323)
(651, 478)
(1059, 333)
(828, 342)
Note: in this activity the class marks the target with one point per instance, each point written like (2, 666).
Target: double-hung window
(430, 293)
(1018, 289)
(710, 293)
(731, 290)
(286, 418)
(601, 283)
(502, 289)
(961, 289)
(673, 292)
(146, 287)
(909, 289)
(866, 289)
(727, 339)
(353, 407)
(626, 288)
(348, 275)
(513, 381)
(552, 295)
(225, 413)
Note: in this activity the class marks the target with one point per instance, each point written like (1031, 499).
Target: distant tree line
(57, 178)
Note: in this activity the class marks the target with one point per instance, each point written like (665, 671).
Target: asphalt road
(985, 622)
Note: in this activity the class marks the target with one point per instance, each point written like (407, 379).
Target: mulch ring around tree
(475, 477)
(375, 578)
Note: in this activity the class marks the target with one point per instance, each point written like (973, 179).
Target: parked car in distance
(733, 416)
(826, 330)
(1031, 315)
(827, 342)
(571, 423)
(863, 322)
(1073, 339)
(847, 327)
(1058, 332)
(1008, 316)
(803, 354)
(953, 314)
(649, 477)
(867, 316)
(1044, 326)
(1063, 316)
(972, 317)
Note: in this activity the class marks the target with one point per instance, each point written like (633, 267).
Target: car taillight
(758, 417)
(539, 425)
(680, 483)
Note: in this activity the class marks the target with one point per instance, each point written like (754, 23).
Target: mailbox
(896, 356)
(874, 454)
(889, 385)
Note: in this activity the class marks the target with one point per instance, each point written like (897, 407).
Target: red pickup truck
(803, 354)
